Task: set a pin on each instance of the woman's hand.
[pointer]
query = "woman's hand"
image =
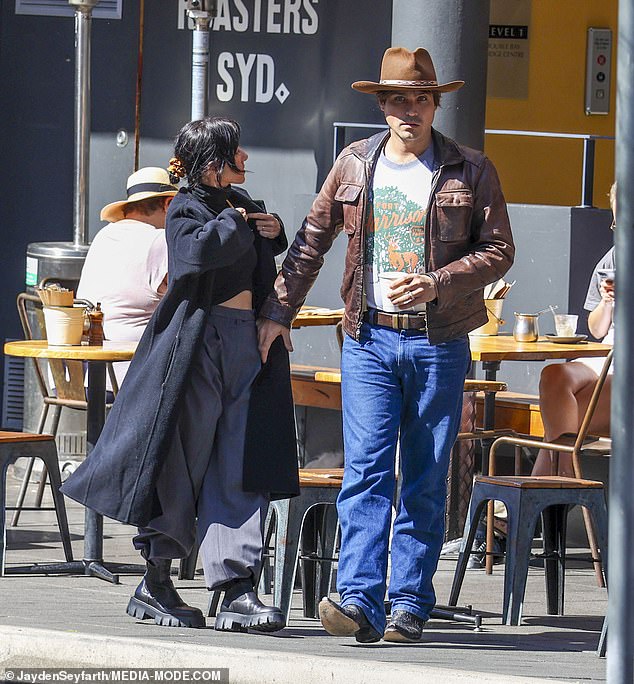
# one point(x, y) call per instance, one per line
point(411, 289)
point(267, 225)
point(606, 290)
point(601, 318)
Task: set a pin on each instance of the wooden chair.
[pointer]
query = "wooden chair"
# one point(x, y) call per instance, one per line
point(526, 498)
point(578, 445)
point(68, 379)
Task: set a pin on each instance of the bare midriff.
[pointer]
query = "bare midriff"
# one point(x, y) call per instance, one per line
point(243, 300)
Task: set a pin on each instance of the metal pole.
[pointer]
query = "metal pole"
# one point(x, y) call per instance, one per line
point(83, 24)
point(587, 180)
point(139, 84)
point(456, 34)
point(620, 653)
point(201, 12)
point(200, 69)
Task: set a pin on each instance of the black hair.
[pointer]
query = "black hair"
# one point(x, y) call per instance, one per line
point(212, 141)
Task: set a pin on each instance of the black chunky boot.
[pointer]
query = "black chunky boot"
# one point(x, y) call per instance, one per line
point(241, 610)
point(156, 597)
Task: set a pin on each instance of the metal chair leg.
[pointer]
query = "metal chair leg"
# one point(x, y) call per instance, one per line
point(289, 523)
point(309, 570)
point(29, 469)
point(3, 503)
point(330, 533)
point(476, 506)
point(594, 547)
point(39, 495)
point(187, 565)
point(24, 486)
point(603, 639)
point(214, 600)
point(554, 531)
point(50, 463)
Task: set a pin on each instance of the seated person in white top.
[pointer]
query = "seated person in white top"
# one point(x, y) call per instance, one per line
point(565, 388)
point(126, 265)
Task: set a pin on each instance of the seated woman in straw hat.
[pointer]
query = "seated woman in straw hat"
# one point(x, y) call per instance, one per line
point(126, 266)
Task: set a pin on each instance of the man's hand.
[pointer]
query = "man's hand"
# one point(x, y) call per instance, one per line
point(267, 225)
point(268, 330)
point(411, 289)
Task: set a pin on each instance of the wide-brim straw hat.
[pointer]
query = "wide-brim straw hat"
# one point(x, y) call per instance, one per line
point(402, 69)
point(150, 181)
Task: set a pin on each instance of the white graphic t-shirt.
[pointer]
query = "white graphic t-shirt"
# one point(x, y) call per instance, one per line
point(395, 232)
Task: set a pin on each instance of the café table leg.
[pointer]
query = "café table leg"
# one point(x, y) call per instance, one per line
point(96, 416)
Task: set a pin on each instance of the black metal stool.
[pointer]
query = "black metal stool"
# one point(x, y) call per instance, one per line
point(526, 498)
point(15, 445)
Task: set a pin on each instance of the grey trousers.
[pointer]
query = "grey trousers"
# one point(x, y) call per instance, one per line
point(200, 483)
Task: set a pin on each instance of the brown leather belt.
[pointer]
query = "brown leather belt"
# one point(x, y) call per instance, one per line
point(397, 321)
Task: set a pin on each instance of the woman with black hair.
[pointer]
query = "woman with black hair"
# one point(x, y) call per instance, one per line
point(201, 435)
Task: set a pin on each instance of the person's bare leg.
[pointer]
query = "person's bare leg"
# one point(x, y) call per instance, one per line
point(564, 392)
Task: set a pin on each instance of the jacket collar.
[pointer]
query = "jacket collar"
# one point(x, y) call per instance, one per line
point(214, 198)
point(447, 150)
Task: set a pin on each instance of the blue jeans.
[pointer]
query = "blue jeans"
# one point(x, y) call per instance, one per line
point(396, 387)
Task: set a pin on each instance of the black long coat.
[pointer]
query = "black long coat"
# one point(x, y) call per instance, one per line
point(118, 478)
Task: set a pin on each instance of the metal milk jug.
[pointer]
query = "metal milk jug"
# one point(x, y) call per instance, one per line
point(526, 327)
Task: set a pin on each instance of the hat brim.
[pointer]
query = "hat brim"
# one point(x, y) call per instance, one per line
point(114, 211)
point(373, 87)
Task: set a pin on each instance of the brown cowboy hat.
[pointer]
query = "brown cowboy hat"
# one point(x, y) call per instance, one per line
point(402, 69)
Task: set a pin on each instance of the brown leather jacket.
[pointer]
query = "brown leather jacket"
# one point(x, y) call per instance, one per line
point(468, 241)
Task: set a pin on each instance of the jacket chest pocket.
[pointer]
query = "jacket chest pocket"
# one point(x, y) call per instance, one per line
point(350, 195)
point(454, 209)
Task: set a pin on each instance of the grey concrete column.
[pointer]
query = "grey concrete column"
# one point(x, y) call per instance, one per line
point(456, 35)
point(620, 669)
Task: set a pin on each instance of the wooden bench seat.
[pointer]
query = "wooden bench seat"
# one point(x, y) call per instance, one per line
point(513, 411)
point(310, 392)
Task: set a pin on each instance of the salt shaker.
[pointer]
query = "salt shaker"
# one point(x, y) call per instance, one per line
point(95, 334)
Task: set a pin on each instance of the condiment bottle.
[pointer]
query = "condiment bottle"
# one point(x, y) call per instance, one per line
point(95, 334)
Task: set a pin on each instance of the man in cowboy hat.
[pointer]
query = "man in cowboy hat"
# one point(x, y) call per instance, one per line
point(126, 265)
point(427, 229)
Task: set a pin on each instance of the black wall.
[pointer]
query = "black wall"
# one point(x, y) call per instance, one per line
point(37, 62)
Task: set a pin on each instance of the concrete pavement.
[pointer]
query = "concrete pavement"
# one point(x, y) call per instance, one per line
point(70, 621)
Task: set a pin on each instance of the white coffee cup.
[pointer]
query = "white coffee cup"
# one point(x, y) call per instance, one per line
point(64, 324)
point(386, 279)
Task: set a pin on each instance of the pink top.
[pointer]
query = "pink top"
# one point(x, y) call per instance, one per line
point(124, 270)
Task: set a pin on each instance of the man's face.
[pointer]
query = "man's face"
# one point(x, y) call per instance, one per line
point(410, 114)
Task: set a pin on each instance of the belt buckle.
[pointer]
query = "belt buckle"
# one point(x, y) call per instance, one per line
point(418, 319)
point(395, 321)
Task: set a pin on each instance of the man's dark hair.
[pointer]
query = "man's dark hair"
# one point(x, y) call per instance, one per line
point(146, 207)
point(382, 95)
point(212, 141)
